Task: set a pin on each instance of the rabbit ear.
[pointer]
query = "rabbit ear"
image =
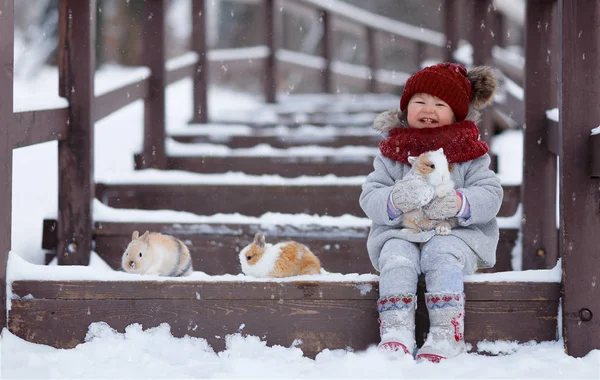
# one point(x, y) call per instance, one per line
point(145, 237)
point(412, 159)
point(135, 235)
point(259, 240)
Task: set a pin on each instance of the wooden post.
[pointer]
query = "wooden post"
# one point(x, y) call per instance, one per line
point(451, 26)
point(6, 114)
point(373, 58)
point(326, 52)
point(201, 74)
point(579, 81)
point(481, 40)
point(154, 155)
point(540, 235)
point(499, 35)
point(270, 67)
point(420, 54)
point(76, 154)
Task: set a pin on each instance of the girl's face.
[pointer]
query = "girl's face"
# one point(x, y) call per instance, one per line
point(428, 111)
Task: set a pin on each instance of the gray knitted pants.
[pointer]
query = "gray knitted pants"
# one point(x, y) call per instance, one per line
point(443, 259)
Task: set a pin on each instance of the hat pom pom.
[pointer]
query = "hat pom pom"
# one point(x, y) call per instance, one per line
point(484, 84)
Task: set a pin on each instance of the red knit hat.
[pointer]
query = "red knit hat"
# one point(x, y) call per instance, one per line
point(447, 81)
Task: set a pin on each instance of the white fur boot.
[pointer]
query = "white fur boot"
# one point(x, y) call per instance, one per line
point(446, 327)
point(397, 324)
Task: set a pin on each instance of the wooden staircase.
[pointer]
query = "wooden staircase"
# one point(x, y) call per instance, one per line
point(319, 312)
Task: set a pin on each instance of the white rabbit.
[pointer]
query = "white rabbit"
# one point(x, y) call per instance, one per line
point(155, 253)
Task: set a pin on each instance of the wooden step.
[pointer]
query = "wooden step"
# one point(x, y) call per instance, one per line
point(214, 247)
point(280, 141)
point(284, 166)
point(252, 200)
point(318, 314)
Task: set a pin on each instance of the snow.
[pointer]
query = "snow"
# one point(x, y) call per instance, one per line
point(155, 353)
point(552, 114)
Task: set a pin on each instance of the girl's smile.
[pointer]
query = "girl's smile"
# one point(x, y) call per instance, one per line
point(427, 111)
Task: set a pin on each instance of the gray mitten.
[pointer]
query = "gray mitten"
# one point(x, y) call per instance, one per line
point(442, 208)
point(411, 193)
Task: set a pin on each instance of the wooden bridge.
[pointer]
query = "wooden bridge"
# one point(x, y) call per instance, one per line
point(561, 60)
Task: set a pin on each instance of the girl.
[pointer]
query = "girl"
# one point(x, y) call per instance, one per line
point(438, 109)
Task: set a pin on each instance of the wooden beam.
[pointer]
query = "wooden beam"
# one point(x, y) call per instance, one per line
point(214, 246)
point(595, 149)
point(116, 99)
point(481, 40)
point(451, 28)
point(253, 200)
point(282, 141)
point(540, 241)
point(323, 315)
point(35, 127)
point(155, 104)
point(285, 166)
point(327, 51)
point(76, 153)
point(270, 65)
point(200, 107)
point(7, 25)
point(372, 58)
point(579, 83)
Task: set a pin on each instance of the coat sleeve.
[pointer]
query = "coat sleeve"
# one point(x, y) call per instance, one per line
point(375, 192)
point(483, 191)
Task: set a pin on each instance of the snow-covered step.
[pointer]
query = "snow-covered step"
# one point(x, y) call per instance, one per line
point(263, 159)
point(215, 246)
point(244, 136)
point(56, 306)
point(206, 194)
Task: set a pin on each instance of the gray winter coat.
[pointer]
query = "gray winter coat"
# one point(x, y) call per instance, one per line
point(473, 179)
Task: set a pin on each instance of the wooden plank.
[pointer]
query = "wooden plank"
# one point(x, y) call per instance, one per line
point(251, 200)
point(540, 240)
point(451, 30)
point(341, 250)
point(35, 127)
point(7, 36)
point(285, 166)
point(76, 154)
point(198, 45)
point(327, 52)
point(179, 73)
point(579, 84)
point(264, 290)
point(116, 99)
point(281, 142)
point(270, 71)
point(595, 149)
point(154, 106)
point(319, 324)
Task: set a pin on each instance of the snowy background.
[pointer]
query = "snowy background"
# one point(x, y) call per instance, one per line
point(155, 353)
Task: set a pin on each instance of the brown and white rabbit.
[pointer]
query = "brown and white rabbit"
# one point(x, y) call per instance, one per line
point(433, 167)
point(285, 259)
point(155, 253)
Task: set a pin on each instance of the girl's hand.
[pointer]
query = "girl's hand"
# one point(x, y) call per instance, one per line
point(441, 208)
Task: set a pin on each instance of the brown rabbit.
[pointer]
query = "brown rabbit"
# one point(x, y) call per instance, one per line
point(155, 253)
point(260, 259)
point(433, 166)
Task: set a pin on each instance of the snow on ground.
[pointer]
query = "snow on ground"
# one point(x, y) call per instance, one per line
point(155, 353)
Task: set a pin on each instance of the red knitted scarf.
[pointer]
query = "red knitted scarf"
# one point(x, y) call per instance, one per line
point(460, 142)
